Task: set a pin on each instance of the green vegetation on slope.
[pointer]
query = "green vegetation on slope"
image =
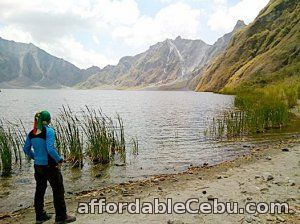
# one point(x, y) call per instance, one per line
point(261, 66)
point(264, 52)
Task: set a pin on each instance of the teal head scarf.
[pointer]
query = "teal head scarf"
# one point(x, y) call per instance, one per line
point(41, 118)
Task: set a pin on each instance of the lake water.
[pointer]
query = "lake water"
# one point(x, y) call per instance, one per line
point(169, 127)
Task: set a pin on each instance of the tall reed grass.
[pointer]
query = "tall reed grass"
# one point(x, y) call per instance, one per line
point(11, 142)
point(99, 138)
point(91, 134)
point(86, 134)
point(135, 146)
point(256, 111)
point(5, 153)
point(69, 138)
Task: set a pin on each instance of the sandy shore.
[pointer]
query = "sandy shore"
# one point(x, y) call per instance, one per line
point(267, 175)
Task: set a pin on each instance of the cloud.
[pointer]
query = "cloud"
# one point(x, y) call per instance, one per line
point(224, 17)
point(71, 50)
point(13, 33)
point(52, 22)
point(165, 1)
point(171, 21)
point(66, 47)
point(47, 20)
point(116, 12)
point(74, 29)
point(95, 39)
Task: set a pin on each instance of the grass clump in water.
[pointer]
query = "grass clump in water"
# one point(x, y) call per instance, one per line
point(135, 146)
point(5, 153)
point(69, 138)
point(88, 133)
point(11, 142)
point(99, 139)
point(91, 134)
point(257, 111)
point(104, 138)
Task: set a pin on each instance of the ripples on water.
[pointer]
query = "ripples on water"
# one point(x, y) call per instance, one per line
point(168, 125)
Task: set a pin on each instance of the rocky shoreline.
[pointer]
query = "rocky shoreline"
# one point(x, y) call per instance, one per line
point(269, 174)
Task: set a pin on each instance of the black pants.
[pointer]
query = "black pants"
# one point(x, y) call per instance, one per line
point(53, 175)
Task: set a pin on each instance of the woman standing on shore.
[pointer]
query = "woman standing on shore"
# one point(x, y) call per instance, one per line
point(47, 164)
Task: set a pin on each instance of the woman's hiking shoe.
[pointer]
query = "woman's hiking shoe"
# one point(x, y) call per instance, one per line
point(67, 219)
point(45, 217)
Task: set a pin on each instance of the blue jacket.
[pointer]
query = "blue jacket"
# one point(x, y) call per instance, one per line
point(44, 152)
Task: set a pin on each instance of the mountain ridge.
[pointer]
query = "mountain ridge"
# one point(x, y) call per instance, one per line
point(166, 65)
point(28, 66)
point(265, 51)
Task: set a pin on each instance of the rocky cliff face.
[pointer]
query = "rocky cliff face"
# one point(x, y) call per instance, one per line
point(223, 41)
point(162, 63)
point(258, 53)
point(218, 47)
point(27, 66)
point(167, 65)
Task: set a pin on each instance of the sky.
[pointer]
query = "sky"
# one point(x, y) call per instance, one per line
point(100, 32)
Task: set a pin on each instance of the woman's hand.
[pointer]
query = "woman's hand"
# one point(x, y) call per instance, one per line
point(59, 164)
